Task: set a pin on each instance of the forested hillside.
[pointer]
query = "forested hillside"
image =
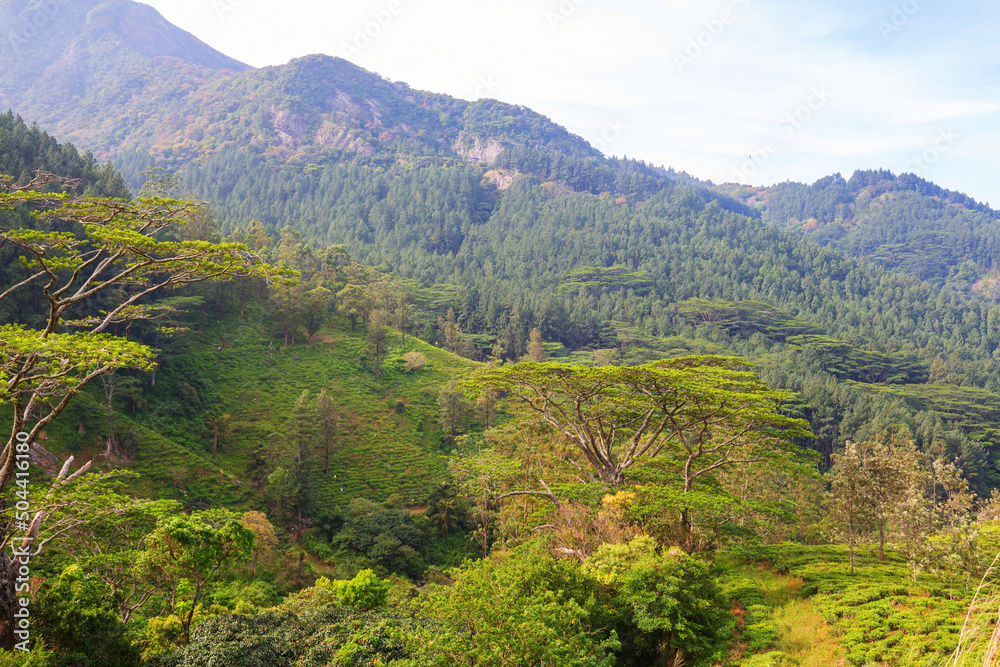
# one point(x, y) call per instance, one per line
point(904, 223)
point(543, 255)
point(355, 374)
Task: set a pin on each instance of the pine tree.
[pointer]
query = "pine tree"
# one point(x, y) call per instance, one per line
point(536, 349)
point(451, 332)
point(452, 410)
point(378, 340)
point(327, 422)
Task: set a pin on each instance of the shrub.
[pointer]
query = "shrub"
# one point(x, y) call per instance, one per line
point(77, 619)
point(414, 360)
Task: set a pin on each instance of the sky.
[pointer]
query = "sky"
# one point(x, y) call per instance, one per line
point(749, 91)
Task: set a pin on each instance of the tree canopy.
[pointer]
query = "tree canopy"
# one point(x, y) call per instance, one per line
point(702, 410)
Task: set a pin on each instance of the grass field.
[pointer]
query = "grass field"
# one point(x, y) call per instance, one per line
point(389, 442)
point(799, 605)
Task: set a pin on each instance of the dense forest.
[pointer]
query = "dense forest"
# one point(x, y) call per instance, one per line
point(355, 374)
point(714, 277)
point(903, 223)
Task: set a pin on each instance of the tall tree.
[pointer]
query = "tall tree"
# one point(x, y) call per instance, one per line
point(327, 421)
point(888, 467)
point(316, 309)
point(378, 340)
point(954, 508)
point(702, 409)
point(104, 245)
point(449, 328)
point(850, 497)
point(354, 301)
point(195, 548)
point(452, 410)
point(302, 431)
point(536, 348)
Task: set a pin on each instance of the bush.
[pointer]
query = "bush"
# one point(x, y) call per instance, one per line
point(414, 360)
point(39, 656)
point(365, 591)
point(665, 603)
point(527, 604)
point(77, 619)
point(266, 640)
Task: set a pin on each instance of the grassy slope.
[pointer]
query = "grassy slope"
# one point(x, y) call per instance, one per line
point(813, 612)
point(390, 442)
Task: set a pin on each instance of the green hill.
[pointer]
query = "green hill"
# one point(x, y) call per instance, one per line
point(904, 223)
point(389, 443)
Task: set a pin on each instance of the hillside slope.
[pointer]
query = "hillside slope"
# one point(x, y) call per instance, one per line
point(229, 371)
point(78, 67)
point(114, 77)
point(904, 223)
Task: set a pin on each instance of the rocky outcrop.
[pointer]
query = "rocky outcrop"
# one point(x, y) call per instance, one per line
point(480, 152)
point(334, 136)
point(502, 178)
point(290, 127)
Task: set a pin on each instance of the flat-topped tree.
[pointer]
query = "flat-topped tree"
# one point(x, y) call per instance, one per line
point(82, 248)
point(702, 409)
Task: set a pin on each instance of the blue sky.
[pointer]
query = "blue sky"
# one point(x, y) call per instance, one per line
point(756, 91)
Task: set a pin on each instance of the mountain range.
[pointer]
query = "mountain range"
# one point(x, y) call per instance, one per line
point(871, 296)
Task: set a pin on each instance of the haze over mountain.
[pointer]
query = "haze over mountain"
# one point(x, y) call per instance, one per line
point(427, 234)
point(902, 222)
point(78, 67)
point(114, 77)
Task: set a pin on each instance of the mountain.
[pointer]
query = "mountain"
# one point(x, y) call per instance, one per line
point(79, 67)
point(904, 223)
point(116, 78)
point(516, 224)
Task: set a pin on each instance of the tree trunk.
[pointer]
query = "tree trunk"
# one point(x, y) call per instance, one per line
point(190, 616)
point(850, 544)
point(686, 533)
point(8, 600)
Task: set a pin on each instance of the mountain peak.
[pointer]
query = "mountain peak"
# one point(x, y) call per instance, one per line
point(55, 47)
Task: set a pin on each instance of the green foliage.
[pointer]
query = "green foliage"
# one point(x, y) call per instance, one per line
point(759, 631)
point(596, 280)
point(364, 592)
point(517, 610)
point(184, 553)
point(76, 618)
point(903, 222)
point(878, 614)
point(38, 656)
point(263, 640)
point(383, 536)
point(664, 605)
point(701, 408)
